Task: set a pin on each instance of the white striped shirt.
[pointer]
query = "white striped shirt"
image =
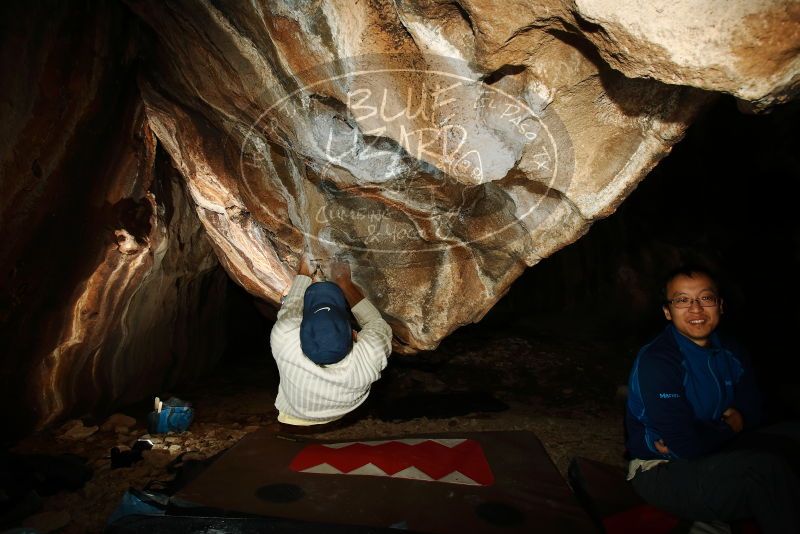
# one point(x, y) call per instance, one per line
point(311, 394)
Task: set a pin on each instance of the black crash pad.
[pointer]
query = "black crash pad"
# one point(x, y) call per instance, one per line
point(477, 482)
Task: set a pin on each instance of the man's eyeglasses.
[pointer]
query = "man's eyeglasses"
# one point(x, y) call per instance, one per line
point(686, 302)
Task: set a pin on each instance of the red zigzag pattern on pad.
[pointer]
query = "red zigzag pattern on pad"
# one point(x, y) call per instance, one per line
point(394, 458)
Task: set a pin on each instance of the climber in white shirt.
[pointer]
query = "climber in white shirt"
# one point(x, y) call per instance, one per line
point(326, 368)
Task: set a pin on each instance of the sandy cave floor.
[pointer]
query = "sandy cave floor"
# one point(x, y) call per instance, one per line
point(565, 392)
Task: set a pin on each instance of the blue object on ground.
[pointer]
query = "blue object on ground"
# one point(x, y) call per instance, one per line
point(135, 502)
point(175, 416)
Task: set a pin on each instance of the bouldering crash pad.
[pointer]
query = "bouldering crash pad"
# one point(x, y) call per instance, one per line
point(444, 483)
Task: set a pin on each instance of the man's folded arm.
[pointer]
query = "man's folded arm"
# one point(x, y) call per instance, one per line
point(747, 399)
point(670, 415)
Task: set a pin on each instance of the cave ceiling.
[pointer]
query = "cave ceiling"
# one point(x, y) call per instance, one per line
point(442, 148)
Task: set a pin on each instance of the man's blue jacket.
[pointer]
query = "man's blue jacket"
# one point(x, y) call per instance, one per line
point(678, 391)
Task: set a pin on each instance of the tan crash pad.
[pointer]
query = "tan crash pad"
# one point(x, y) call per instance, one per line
point(447, 483)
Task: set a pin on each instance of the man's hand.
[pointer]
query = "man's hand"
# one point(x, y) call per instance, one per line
point(340, 275)
point(305, 266)
point(660, 447)
point(733, 419)
point(340, 272)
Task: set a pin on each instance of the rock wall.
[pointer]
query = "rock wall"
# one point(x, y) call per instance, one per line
point(441, 147)
point(110, 290)
point(746, 49)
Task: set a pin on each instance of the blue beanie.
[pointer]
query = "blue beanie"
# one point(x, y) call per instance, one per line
point(325, 333)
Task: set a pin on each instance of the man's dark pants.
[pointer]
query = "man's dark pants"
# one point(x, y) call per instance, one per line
point(753, 478)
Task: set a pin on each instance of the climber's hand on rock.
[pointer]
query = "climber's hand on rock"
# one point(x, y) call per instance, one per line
point(305, 266)
point(340, 272)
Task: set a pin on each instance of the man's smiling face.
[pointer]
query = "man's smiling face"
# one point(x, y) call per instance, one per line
point(695, 322)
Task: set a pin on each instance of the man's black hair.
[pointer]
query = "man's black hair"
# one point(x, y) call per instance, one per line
point(688, 270)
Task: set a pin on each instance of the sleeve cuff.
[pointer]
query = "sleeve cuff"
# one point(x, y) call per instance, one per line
point(299, 286)
point(364, 312)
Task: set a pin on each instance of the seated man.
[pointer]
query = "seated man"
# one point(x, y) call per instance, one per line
point(326, 369)
point(691, 392)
